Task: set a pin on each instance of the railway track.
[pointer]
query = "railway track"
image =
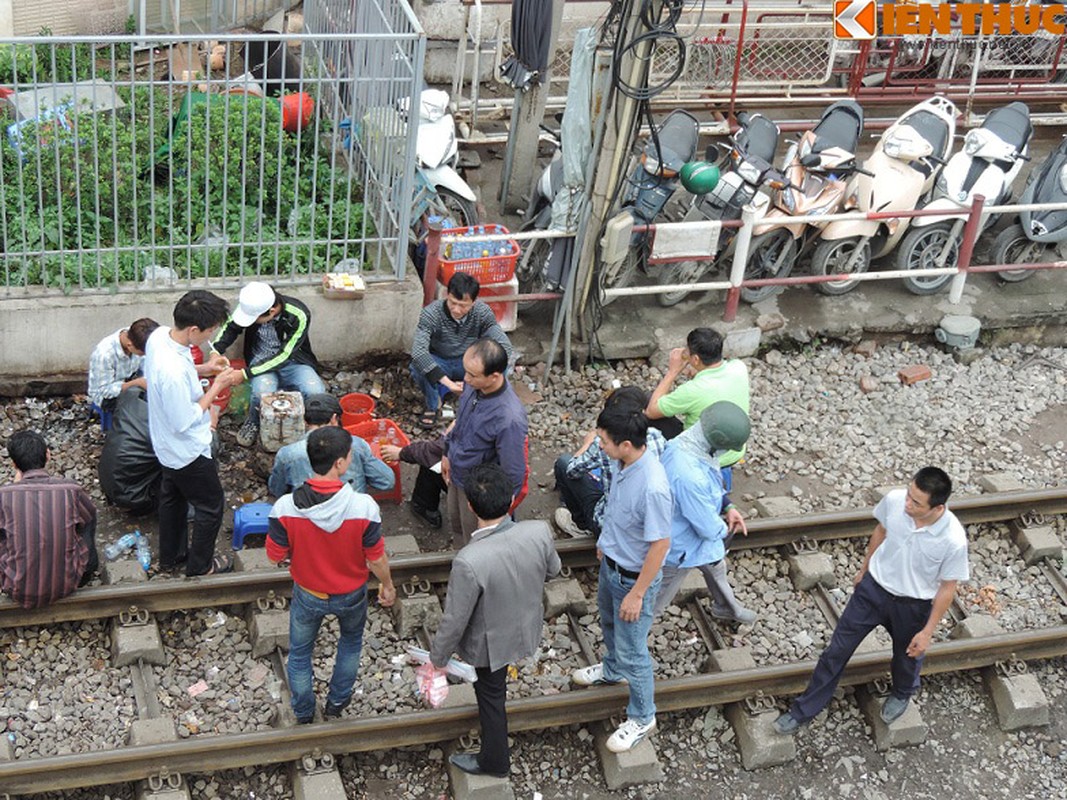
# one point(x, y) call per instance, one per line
point(200, 754)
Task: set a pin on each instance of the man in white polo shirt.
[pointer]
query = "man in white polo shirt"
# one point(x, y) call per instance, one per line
point(915, 557)
point(179, 421)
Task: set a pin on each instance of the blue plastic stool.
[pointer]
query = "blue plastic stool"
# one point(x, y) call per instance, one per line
point(248, 520)
point(105, 417)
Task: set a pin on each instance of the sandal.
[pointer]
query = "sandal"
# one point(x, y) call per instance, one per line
point(428, 420)
point(221, 565)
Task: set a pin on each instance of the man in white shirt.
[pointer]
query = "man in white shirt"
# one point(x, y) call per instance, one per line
point(915, 557)
point(179, 421)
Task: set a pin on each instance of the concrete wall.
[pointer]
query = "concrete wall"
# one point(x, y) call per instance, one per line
point(45, 342)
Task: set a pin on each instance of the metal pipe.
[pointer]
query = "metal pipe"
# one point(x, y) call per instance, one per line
point(737, 268)
point(970, 234)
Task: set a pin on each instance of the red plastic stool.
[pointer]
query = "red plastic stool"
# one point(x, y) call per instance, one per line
point(377, 432)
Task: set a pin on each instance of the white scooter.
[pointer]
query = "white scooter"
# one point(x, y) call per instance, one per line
point(991, 159)
point(899, 174)
point(439, 188)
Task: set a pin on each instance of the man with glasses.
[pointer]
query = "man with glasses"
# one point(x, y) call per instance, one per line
point(915, 557)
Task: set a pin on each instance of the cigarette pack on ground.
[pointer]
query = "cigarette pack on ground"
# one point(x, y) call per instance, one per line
point(343, 285)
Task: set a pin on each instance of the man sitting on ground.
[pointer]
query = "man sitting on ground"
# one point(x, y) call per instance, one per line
point(115, 364)
point(446, 329)
point(47, 528)
point(292, 466)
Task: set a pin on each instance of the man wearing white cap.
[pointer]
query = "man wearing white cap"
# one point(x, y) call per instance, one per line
point(277, 350)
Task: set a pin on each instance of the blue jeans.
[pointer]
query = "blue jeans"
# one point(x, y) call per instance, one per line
point(626, 643)
point(432, 391)
point(290, 377)
point(305, 616)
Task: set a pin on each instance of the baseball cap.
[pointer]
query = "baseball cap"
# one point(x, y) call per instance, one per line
point(256, 298)
point(725, 425)
point(322, 403)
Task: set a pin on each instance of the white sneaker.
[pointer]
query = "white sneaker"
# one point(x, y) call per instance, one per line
point(629, 734)
point(565, 524)
point(592, 676)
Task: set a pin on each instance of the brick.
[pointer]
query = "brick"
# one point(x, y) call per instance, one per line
point(868, 384)
point(998, 482)
point(1019, 699)
point(759, 744)
point(133, 643)
point(865, 348)
point(158, 730)
point(268, 630)
point(908, 730)
point(411, 613)
point(807, 570)
point(976, 626)
point(777, 507)
point(637, 766)
point(564, 594)
point(1037, 544)
point(914, 374)
point(401, 545)
point(731, 660)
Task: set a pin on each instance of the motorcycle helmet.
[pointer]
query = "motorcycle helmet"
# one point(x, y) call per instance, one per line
point(699, 177)
point(725, 425)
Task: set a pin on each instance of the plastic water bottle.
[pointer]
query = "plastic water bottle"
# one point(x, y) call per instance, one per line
point(144, 552)
point(113, 551)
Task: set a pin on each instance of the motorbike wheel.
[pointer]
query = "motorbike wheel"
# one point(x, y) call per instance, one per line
point(459, 208)
point(920, 250)
point(621, 275)
point(532, 268)
point(832, 257)
point(1012, 246)
point(771, 255)
point(681, 272)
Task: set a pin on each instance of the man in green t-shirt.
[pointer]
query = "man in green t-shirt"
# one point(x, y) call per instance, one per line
point(713, 379)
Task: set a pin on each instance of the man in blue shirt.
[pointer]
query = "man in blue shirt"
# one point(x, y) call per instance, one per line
point(632, 545)
point(292, 466)
point(698, 531)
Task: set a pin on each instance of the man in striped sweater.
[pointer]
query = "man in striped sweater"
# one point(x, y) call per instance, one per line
point(47, 528)
point(332, 536)
point(446, 329)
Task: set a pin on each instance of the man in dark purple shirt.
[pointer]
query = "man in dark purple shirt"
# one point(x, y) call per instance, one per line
point(47, 528)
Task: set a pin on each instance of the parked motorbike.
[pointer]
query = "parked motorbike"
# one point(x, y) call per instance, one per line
point(651, 184)
point(1025, 241)
point(814, 173)
point(750, 167)
point(439, 188)
point(540, 266)
point(899, 174)
point(990, 161)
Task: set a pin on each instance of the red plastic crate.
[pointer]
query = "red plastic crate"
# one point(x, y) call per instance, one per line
point(377, 432)
point(487, 269)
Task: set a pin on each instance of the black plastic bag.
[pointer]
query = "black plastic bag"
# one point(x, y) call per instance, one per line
point(129, 471)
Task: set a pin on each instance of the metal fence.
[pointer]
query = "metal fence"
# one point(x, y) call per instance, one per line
point(123, 167)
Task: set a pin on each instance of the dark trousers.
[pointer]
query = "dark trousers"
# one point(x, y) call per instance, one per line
point(579, 495)
point(491, 691)
point(196, 484)
point(870, 606)
point(429, 486)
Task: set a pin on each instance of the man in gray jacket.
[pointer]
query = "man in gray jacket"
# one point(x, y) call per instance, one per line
point(493, 609)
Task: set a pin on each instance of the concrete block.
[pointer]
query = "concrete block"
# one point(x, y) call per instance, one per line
point(870, 644)
point(760, 746)
point(7, 749)
point(1038, 543)
point(637, 766)
point(411, 613)
point(152, 731)
point(731, 660)
point(401, 545)
point(976, 626)
point(166, 792)
point(997, 482)
point(908, 729)
point(130, 643)
point(478, 787)
point(251, 558)
point(267, 630)
point(882, 491)
point(777, 507)
point(125, 571)
point(324, 784)
point(1019, 699)
point(742, 343)
point(460, 694)
point(693, 585)
point(807, 570)
point(564, 594)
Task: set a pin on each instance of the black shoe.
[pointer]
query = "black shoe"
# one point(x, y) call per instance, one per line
point(305, 720)
point(468, 762)
point(431, 517)
point(331, 711)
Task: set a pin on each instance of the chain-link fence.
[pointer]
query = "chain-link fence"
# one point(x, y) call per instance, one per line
point(207, 158)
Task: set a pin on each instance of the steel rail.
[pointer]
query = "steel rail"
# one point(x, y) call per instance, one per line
point(213, 753)
point(246, 587)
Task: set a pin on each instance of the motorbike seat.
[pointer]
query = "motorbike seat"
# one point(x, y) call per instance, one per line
point(760, 138)
point(932, 128)
point(840, 126)
point(1011, 123)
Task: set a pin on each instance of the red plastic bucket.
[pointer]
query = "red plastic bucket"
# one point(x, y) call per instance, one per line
point(356, 408)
